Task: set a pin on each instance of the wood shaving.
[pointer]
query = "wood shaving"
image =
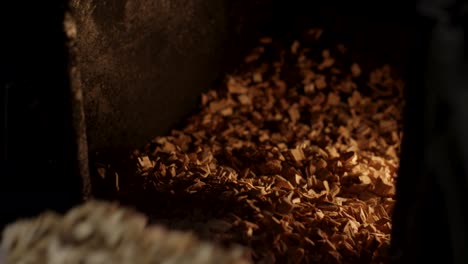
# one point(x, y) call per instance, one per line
point(101, 232)
point(298, 163)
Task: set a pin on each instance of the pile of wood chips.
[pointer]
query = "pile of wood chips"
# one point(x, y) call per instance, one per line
point(103, 233)
point(295, 158)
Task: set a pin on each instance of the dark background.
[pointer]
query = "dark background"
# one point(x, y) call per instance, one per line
point(38, 158)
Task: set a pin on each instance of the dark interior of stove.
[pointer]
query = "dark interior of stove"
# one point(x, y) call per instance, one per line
point(142, 65)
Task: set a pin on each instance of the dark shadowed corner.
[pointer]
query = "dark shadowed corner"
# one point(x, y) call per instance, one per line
point(39, 171)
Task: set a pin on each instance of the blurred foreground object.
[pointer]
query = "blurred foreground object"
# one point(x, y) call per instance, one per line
point(99, 232)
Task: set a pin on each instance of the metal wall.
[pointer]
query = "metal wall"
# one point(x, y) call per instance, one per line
point(144, 63)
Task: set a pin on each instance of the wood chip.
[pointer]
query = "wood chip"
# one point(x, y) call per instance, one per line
point(117, 234)
point(320, 82)
point(296, 158)
point(333, 99)
point(355, 70)
point(145, 163)
point(295, 47)
point(297, 154)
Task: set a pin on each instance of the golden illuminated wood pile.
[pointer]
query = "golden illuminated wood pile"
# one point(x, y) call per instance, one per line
point(295, 158)
point(103, 233)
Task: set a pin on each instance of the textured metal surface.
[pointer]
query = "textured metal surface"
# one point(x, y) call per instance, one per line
point(144, 63)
